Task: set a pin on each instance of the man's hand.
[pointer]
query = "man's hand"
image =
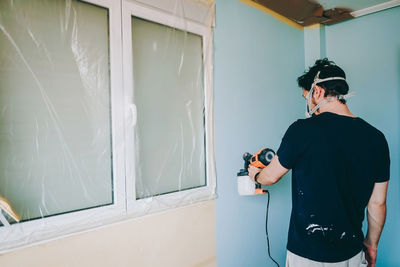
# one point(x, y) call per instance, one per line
point(370, 255)
point(253, 171)
point(270, 174)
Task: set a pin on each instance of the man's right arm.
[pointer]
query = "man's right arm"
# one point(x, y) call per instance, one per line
point(376, 211)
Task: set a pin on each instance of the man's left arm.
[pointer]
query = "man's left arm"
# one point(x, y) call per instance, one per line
point(270, 174)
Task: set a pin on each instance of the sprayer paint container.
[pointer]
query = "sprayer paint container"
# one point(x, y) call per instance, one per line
point(245, 185)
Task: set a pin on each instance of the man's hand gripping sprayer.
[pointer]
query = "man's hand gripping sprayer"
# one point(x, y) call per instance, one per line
point(261, 159)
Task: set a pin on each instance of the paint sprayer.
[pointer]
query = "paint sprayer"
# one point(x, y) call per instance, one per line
point(261, 159)
point(246, 186)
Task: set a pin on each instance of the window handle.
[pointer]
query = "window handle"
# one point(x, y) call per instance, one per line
point(133, 110)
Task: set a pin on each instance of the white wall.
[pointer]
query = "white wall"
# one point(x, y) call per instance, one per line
point(180, 237)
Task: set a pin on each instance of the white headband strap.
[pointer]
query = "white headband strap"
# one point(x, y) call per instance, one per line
point(318, 80)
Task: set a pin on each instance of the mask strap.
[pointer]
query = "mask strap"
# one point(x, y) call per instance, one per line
point(321, 103)
point(308, 102)
point(345, 97)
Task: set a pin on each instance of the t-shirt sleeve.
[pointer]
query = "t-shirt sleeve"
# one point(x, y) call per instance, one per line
point(383, 162)
point(291, 146)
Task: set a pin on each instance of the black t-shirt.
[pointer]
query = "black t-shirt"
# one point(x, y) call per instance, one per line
point(335, 162)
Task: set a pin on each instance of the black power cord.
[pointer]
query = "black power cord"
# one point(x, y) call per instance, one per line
point(266, 228)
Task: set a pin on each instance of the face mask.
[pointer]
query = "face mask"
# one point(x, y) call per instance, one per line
point(309, 111)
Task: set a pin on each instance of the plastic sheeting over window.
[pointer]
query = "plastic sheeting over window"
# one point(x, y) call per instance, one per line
point(55, 144)
point(69, 139)
point(168, 71)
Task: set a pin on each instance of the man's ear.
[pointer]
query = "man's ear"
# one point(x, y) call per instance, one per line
point(319, 92)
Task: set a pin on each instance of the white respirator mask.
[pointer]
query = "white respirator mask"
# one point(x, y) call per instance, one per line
point(309, 111)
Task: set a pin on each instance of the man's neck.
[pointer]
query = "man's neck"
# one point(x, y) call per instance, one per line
point(335, 106)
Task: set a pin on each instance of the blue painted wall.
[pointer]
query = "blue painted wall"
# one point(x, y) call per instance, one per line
point(257, 61)
point(368, 48)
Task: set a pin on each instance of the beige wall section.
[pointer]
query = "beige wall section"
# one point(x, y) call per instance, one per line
point(180, 237)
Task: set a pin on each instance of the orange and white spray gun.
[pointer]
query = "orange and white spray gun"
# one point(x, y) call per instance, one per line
point(246, 186)
point(261, 159)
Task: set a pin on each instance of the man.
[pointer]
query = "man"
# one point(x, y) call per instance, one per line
point(340, 165)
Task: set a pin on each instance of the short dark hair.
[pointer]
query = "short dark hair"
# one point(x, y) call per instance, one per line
point(326, 69)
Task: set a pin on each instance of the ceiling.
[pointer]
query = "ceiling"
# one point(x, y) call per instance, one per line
point(309, 12)
point(352, 4)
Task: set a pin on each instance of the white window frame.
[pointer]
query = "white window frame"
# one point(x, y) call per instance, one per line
point(17, 235)
point(184, 197)
point(123, 118)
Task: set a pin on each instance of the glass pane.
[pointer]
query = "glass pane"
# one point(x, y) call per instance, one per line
point(169, 95)
point(55, 134)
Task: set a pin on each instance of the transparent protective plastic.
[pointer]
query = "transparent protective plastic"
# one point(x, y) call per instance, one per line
point(176, 100)
point(97, 126)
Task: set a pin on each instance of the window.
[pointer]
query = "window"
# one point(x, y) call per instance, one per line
point(91, 133)
point(168, 69)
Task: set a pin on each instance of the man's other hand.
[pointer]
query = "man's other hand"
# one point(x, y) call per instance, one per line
point(370, 256)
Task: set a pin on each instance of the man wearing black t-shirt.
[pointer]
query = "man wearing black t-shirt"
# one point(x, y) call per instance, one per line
point(340, 165)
